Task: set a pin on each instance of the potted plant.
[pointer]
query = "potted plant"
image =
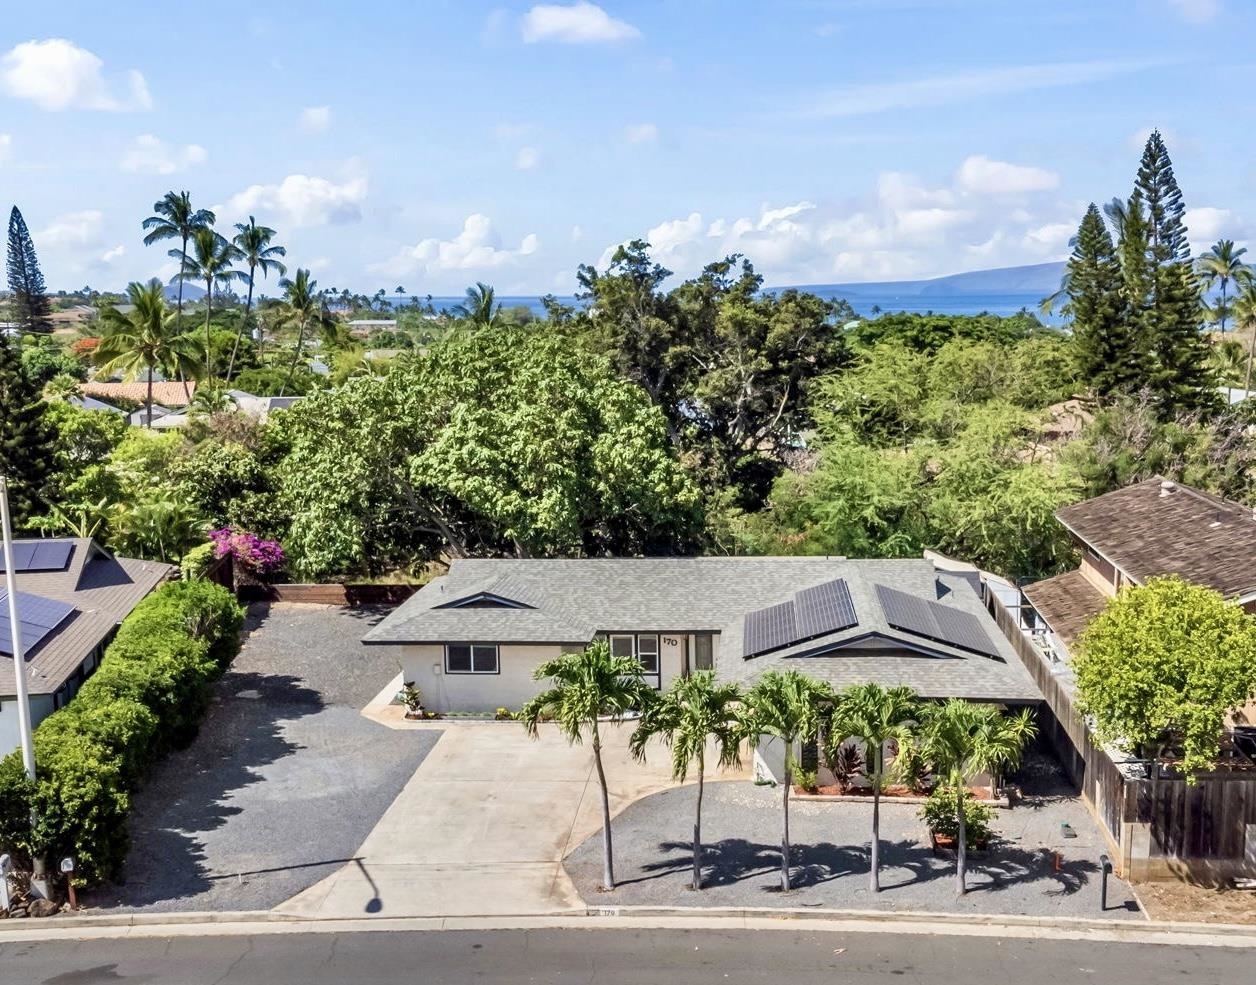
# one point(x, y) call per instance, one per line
point(412, 698)
point(940, 815)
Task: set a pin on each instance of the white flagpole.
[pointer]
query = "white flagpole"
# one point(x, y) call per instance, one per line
point(19, 660)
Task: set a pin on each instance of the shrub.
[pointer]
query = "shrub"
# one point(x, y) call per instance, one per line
point(149, 693)
point(940, 814)
point(196, 562)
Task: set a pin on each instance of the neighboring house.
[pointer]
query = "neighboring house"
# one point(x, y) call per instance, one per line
point(260, 407)
point(1155, 527)
point(71, 596)
point(170, 394)
point(362, 327)
point(140, 418)
point(91, 403)
point(473, 638)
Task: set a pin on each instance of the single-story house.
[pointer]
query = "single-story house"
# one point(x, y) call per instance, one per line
point(71, 597)
point(260, 407)
point(471, 640)
point(1150, 528)
point(91, 403)
point(171, 394)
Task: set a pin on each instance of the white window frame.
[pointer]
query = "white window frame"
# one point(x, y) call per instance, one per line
point(655, 676)
point(472, 648)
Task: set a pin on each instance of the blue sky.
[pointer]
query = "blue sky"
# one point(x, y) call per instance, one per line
point(432, 144)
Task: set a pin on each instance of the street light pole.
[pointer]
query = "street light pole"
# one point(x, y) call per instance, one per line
point(15, 627)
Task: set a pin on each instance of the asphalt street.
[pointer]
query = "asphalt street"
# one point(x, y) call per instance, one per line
point(608, 957)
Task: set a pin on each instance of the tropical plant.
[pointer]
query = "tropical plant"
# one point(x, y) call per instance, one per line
point(144, 339)
point(694, 711)
point(1228, 362)
point(157, 527)
point(176, 219)
point(26, 437)
point(878, 716)
point(786, 706)
point(939, 813)
point(1245, 321)
point(1221, 265)
point(479, 307)
point(210, 261)
point(962, 738)
point(586, 687)
point(256, 252)
point(304, 306)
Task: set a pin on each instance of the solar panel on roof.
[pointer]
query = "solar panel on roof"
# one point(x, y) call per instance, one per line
point(40, 555)
point(769, 629)
point(935, 621)
point(36, 616)
point(825, 608)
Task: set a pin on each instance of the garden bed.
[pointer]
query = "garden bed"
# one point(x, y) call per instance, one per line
point(898, 794)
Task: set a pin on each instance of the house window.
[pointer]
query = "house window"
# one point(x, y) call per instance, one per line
point(471, 658)
point(644, 648)
point(702, 652)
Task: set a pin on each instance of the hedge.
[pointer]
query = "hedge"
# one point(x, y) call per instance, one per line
point(147, 697)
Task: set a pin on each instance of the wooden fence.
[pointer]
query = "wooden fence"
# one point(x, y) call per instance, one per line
point(329, 594)
point(1161, 826)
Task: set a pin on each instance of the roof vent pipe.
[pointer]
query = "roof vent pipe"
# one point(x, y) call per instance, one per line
point(1166, 487)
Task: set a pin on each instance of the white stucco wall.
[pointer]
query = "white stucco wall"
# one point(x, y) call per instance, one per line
point(425, 665)
point(41, 708)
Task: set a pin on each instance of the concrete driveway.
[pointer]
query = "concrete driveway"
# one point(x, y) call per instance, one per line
point(484, 824)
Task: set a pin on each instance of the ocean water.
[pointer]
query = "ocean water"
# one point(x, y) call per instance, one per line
point(865, 305)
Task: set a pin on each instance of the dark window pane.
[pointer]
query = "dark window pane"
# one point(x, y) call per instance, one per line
point(648, 653)
point(458, 658)
point(702, 652)
point(485, 659)
point(621, 646)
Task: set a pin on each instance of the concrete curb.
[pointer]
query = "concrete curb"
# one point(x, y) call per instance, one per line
point(269, 921)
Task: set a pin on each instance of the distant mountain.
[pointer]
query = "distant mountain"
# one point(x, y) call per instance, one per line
point(1038, 279)
point(190, 292)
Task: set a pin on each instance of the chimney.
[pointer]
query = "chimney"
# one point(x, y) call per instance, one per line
point(1167, 487)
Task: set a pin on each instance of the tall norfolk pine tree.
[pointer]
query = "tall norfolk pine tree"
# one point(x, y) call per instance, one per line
point(25, 438)
point(31, 308)
point(1103, 332)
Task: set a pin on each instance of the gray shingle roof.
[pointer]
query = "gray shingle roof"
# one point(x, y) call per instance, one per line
point(572, 600)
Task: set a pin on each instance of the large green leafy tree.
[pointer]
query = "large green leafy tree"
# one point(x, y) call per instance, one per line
point(1164, 665)
point(29, 297)
point(877, 716)
point(144, 338)
point(501, 441)
point(960, 739)
point(256, 251)
point(1109, 360)
point(210, 260)
point(25, 438)
point(785, 706)
point(1181, 375)
point(694, 713)
point(584, 688)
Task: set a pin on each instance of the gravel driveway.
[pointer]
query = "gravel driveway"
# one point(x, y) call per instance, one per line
point(286, 778)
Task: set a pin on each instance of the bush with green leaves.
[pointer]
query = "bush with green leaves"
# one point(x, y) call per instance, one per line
point(940, 814)
point(148, 695)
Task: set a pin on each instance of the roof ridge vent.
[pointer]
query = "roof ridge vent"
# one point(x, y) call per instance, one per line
point(1167, 487)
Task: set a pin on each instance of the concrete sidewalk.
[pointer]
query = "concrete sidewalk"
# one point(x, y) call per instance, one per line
point(483, 826)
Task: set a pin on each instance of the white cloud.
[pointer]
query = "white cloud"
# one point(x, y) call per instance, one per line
point(578, 23)
point(74, 229)
point(116, 253)
point(527, 159)
point(510, 131)
point(152, 155)
point(6, 147)
point(1197, 11)
point(1052, 237)
point(577, 234)
point(57, 74)
point(980, 174)
point(302, 200)
point(641, 133)
point(878, 97)
point(477, 248)
point(316, 119)
point(1205, 225)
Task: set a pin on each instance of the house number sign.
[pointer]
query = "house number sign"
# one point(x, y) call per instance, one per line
point(670, 641)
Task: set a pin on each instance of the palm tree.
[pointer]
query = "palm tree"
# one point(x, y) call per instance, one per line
point(253, 243)
point(479, 307)
point(877, 715)
point(586, 687)
point(1227, 358)
point(693, 711)
point(1117, 211)
point(210, 260)
point(1220, 265)
point(304, 306)
point(145, 338)
point(176, 219)
point(786, 706)
point(1245, 321)
point(962, 738)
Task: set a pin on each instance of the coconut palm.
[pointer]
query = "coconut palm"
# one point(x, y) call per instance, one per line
point(304, 307)
point(585, 687)
point(479, 307)
point(176, 219)
point(1220, 265)
point(878, 716)
point(211, 261)
point(1245, 321)
point(962, 738)
point(145, 338)
point(1227, 359)
point(785, 706)
point(253, 243)
point(692, 712)
point(1117, 211)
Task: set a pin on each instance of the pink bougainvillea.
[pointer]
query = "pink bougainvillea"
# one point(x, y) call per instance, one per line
point(252, 553)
